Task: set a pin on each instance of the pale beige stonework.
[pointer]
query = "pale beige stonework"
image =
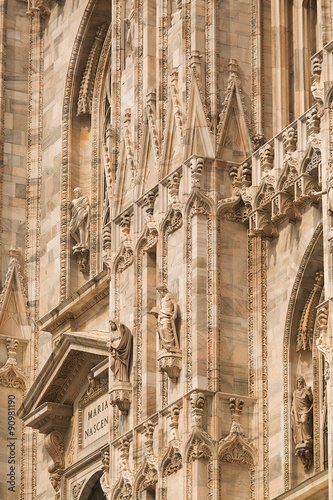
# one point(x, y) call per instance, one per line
point(200, 134)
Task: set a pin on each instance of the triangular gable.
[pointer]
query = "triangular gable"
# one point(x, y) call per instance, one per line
point(14, 314)
point(172, 150)
point(147, 172)
point(234, 139)
point(198, 138)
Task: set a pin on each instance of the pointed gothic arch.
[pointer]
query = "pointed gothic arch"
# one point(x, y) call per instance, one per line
point(297, 300)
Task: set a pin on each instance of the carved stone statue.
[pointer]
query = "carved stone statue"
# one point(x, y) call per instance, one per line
point(120, 348)
point(301, 416)
point(166, 317)
point(79, 224)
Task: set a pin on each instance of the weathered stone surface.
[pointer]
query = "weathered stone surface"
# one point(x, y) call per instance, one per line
point(201, 136)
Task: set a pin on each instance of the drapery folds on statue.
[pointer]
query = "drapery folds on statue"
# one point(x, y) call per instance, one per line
point(301, 416)
point(120, 348)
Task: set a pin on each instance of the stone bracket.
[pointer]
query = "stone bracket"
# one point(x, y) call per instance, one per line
point(121, 396)
point(170, 362)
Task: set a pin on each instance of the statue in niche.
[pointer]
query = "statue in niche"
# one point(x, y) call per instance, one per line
point(301, 416)
point(79, 224)
point(120, 349)
point(166, 317)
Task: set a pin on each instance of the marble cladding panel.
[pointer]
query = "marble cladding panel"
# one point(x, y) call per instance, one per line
point(233, 308)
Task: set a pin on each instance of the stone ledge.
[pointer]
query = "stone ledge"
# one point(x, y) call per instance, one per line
point(314, 487)
point(77, 304)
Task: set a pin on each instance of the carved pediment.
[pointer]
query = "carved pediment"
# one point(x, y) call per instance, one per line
point(288, 177)
point(265, 193)
point(173, 219)
point(66, 370)
point(147, 475)
point(125, 256)
point(199, 445)
point(236, 449)
point(311, 161)
point(14, 313)
point(233, 131)
point(198, 137)
point(172, 460)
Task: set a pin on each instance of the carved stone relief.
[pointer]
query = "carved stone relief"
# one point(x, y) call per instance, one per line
point(10, 374)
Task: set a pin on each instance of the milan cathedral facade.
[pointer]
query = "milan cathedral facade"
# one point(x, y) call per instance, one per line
point(166, 242)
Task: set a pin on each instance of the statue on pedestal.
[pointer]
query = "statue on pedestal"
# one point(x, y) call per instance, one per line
point(120, 349)
point(301, 416)
point(166, 316)
point(79, 224)
point(169, 357)
point(79, 228)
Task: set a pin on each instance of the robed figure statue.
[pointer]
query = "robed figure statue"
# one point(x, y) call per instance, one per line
point(301, 416)
point(79, 223)
point(120, 349)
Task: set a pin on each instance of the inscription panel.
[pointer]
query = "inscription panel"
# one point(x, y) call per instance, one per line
point(95, 420)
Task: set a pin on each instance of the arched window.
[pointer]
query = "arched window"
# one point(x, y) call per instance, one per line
point(97, 492)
